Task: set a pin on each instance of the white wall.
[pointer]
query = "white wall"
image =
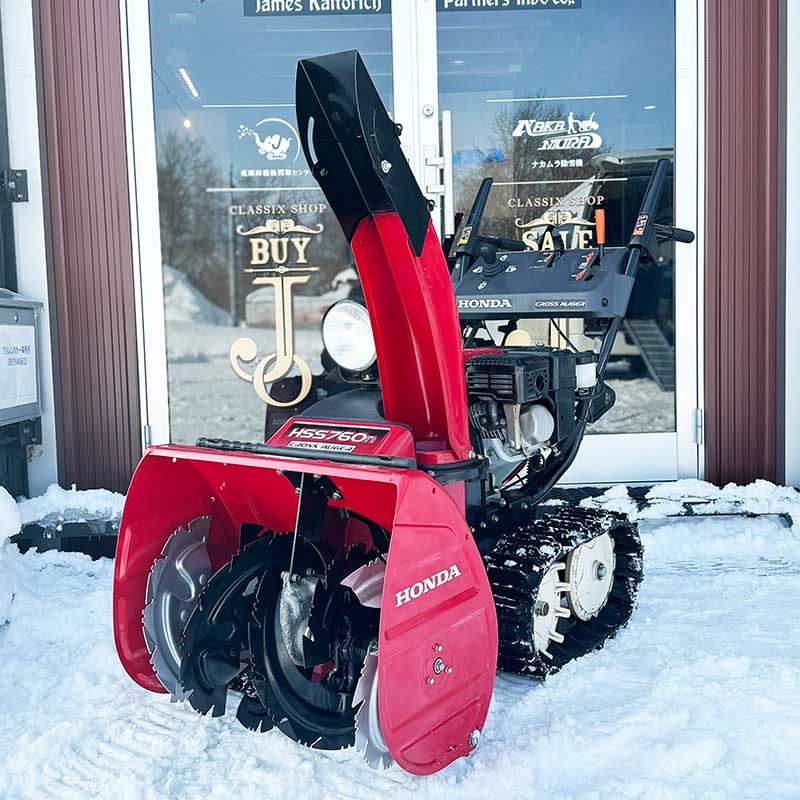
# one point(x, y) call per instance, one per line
point(792, 299)
point(29, 236)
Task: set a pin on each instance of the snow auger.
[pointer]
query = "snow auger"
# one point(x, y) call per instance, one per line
point(358, 578)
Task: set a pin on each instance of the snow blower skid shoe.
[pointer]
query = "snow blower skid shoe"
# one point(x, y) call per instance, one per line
point(357, 579)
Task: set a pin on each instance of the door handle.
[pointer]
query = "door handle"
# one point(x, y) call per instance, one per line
point(441, 160)
point(449, 226)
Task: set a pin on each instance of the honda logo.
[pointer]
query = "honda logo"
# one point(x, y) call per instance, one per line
point(483, 302)
point(426, 585)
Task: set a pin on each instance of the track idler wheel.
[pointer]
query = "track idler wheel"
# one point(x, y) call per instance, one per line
point(562, 586)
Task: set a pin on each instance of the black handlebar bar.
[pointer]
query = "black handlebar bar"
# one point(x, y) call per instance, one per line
point(468, 241)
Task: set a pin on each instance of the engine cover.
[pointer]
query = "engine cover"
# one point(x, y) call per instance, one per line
point(518, 376)
point(510, 377)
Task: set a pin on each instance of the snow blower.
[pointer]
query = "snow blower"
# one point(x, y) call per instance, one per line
point(358, 579)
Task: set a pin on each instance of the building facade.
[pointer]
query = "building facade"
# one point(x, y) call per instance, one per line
point(165, 180)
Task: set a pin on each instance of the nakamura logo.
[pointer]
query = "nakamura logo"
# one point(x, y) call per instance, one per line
point(428, 584)
point(560, 304)
point(466, 302)
point(562, 134)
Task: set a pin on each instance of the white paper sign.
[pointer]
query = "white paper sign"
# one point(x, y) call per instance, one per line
point(17, 365)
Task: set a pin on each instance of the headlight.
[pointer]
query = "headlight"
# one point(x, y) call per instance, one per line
point(347, 335)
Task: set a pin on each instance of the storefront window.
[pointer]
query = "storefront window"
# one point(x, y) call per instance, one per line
point(238, 205)
point(564, 106)
point(567, 106)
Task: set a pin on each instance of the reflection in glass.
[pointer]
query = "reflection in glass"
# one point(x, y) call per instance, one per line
point(238, 205)
point(568, 111)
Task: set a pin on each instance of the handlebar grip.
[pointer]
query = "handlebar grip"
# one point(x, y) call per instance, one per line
point(467, 241)
point(682, 235)
point(668, 233)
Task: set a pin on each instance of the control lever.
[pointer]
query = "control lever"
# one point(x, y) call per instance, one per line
point(491, 265)
point(600, 232)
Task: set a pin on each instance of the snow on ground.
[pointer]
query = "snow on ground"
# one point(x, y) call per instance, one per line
point(206, 397)
point(186, 303)
point(10, 524)
point(698, 698)
point(641, 407)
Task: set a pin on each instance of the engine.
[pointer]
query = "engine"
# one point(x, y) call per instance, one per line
point(522, 404)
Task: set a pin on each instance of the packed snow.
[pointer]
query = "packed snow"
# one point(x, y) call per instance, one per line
point(10, 524)
point(699, 697)
point(206, 397)
point(71, 505)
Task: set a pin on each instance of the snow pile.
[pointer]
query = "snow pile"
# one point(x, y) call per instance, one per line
point(10, 524)
point(71, 505)
point(699, 697)
point(10, 521)
point(185, 303)
point(666, 499)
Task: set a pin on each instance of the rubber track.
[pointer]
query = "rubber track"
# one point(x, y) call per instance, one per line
point(523, 556)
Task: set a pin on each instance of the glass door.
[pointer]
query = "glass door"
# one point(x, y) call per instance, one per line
point(568, 105)
point(243, 256)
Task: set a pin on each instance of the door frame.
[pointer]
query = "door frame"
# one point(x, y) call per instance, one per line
point(680, 453)
point(145, 222)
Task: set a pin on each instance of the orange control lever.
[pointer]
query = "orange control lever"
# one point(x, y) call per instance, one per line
point(600, 225)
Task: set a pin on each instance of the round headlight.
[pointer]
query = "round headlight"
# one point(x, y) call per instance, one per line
point(347, 335)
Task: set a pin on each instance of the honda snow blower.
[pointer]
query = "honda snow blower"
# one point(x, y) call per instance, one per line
point(359, 578)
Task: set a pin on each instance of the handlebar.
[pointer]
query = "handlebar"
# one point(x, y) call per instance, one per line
point(668, 233)
point(642, 243)
point(468, 240)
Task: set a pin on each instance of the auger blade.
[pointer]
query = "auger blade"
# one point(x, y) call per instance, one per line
point(215, 638)
point(367, 583)
point(173, 588)
point(369, 736)
point(312, 706)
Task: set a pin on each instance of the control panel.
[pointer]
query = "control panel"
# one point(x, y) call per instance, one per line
point(546, 283)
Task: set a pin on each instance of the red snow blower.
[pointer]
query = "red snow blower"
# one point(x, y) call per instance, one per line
point(359, 578)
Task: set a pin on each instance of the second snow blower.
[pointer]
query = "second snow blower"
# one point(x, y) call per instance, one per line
point(359, 578)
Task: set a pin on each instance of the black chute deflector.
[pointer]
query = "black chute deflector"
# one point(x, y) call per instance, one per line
point(354, 148)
